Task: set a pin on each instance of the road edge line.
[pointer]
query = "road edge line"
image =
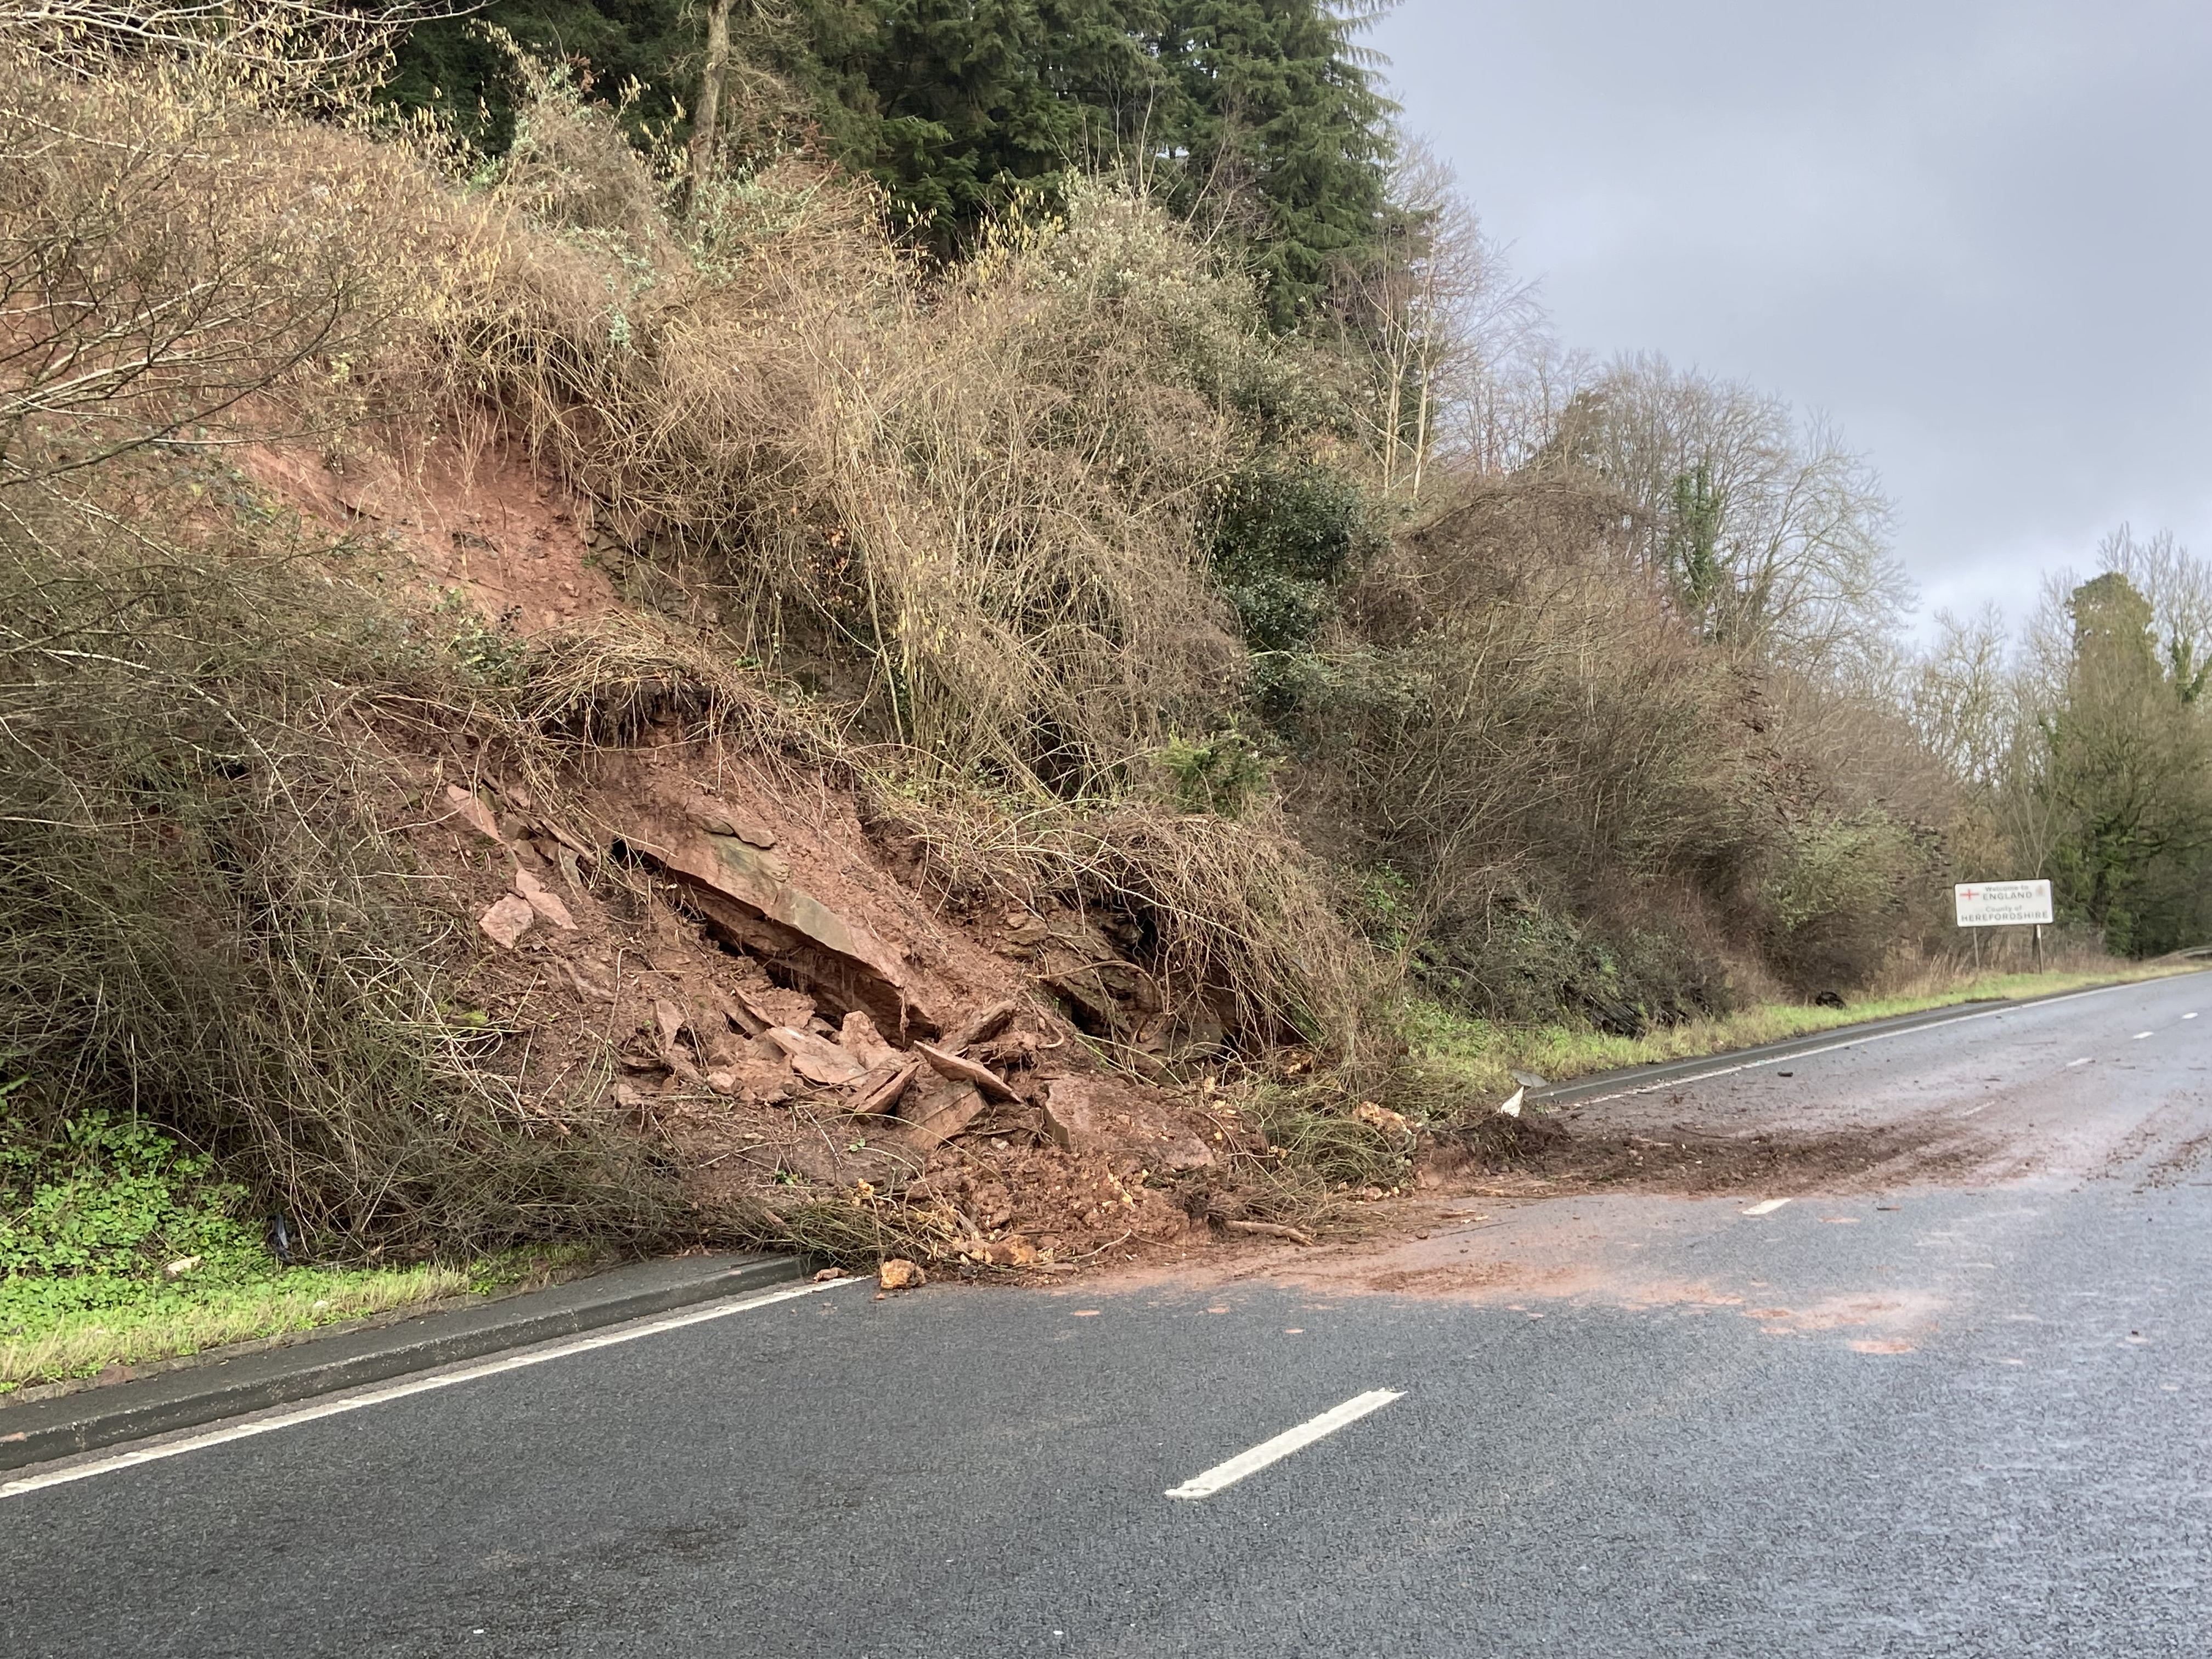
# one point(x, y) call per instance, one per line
point(425, 1384)
point(164, 1403)
point(1671, 1073)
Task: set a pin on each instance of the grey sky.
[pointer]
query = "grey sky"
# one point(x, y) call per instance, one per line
point(1978, 233)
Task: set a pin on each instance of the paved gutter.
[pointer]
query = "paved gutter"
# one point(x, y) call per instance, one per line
point(35, 1432)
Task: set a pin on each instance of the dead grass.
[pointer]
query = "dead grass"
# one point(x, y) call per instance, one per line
point(208, 922)
point(1236, 916)
point(973, 510)
point(848, 1232)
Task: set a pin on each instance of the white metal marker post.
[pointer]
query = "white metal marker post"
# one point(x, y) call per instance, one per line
point(2004, 904)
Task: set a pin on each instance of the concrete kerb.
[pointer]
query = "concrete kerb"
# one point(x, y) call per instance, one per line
point(40, 1431)
point(1636, 1079)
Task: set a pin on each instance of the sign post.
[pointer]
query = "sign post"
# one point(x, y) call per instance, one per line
point(2004, 904)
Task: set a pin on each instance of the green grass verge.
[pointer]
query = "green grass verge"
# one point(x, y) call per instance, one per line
point(1458, 1059)
point(120, 1246)
point(136, 1322)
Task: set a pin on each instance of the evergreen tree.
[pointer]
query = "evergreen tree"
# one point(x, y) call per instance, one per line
point(961, 108)
point(451, 65)
point(1258, 114)
point(2128, 774)
point(1274, 104)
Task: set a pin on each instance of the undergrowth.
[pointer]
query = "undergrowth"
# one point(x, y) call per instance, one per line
point(1069, 566)
point(119, 1246)
point(208, 926)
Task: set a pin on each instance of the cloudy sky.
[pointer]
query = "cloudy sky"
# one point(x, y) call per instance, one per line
point(1978, 233)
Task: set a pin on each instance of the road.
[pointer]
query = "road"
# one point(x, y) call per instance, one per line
point(1958, 1417)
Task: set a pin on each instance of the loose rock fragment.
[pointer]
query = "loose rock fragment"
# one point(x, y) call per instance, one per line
point(883, 1096)
point(507, 921)
point(1382, 1117)
point(815, 1058)
point(899, 1274)
point(742, 1012)
point(964, 1070)
point(981, 1029)
point(720, 818)
point(942, 1110)
point(1091, 1114)
point(542, 899)
point(668, 1021)
point(860, 1039)
point(471, 812)
point(1272, 1230)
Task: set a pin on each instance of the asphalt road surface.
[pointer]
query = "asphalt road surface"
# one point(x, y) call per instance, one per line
point(1961, 1418)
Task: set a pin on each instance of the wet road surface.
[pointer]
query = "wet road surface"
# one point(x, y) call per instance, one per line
point(1966, 1417)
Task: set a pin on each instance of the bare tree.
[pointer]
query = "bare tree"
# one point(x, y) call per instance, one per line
point(2178, 586)
point(323, 54)
point(1771, 532)
point(1446, 313)
point(156, 271)
point(1963, 697)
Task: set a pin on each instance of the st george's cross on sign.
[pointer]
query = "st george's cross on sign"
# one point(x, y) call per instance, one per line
point(2002, 903)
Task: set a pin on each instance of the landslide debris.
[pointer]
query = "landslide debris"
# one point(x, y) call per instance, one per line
point(829, 1059)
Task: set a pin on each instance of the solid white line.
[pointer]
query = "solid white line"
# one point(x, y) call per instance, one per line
point(1269, 1451)
point(1850, 1043)
point(1766, 1207)
point(340, 1404)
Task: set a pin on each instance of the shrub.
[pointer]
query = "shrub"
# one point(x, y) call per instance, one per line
point(208, 929)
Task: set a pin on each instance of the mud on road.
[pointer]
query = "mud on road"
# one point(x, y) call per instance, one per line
point(1582, 1200)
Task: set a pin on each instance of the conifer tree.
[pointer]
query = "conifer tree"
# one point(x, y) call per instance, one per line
point(1276, 105)
point(1257, 115)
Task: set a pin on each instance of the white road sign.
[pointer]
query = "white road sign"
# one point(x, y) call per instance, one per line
point(2002, 903)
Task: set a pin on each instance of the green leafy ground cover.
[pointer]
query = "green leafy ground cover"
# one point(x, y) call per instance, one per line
point(1473, 1056)
point(117, 1246)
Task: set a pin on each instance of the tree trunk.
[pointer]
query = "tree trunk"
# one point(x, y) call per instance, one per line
point(708, 114)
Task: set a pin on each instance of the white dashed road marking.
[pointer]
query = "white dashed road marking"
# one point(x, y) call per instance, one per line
point(2139, 1036)
point(2071, 1064)
point(1768, 1207)
point(1270, 1451)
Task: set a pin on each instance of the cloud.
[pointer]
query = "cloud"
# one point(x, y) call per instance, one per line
point(1976, 233)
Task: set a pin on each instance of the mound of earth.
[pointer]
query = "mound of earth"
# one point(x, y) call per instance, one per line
point(789, 1008)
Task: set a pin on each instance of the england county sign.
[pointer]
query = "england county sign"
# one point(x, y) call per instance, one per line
point(2002, 903)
